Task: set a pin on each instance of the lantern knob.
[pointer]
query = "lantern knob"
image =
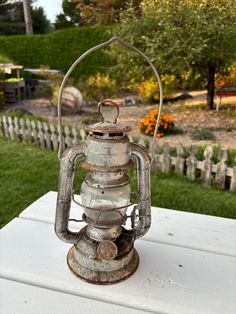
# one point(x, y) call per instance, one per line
point(107, 250)
point(108, 102)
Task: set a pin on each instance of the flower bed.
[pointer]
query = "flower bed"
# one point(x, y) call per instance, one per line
point(147, 124)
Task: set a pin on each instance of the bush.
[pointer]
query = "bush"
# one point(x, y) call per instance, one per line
point(149, 89)
point(58, 50)
point(147, 125)
point(98, 87)
point(22, 114)
point(228, 78)
point(203, 134)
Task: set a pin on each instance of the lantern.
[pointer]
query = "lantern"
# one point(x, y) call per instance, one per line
point(103, 251)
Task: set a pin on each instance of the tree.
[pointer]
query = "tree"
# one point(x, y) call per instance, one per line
point(183, 34)
point(102, 12)
point(27, 17)
point(69, 18)
point(12, 18)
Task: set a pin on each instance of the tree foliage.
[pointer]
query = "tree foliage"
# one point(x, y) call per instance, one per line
point(12, 18)
point(102, 12)
point(179, 35)
point(69, 18)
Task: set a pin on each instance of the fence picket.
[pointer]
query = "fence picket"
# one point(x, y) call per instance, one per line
point(23, 130)
point(233, 179)
point(179, 160)
point(5, 127)
point(41, 135)
point(191, 163)
point(54, 137)
point(82, 134)
point(1, 127)
point(28, 131)
point(47, 136)
point(207, 166)
point(34, 129)
point(68, 140)
point(165, 158)
point(141, 142)
point(75, 138)
point(17, 129)
point(221, 169)
point(11, 128)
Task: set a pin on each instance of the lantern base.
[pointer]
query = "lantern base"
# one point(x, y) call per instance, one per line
point(84, 262)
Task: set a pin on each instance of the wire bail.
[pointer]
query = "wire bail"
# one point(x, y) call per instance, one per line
point(85, 54)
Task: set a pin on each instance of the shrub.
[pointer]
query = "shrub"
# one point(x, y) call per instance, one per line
point(227, 79)
point(22, 114)
point(147, 125)
point(149, 89)
point(98, 87)
point(58, 50)
point(203, 134)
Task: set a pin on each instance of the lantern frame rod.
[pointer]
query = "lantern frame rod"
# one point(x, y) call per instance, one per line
point(85, 54)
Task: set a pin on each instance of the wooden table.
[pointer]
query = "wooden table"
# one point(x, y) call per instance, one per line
point(187, 265)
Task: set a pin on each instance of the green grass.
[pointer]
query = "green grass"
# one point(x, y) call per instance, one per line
point(26, 173)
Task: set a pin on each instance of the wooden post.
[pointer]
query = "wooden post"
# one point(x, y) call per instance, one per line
point(207, 166)
point(191, 163)
point(221, 169)
point(179, 161)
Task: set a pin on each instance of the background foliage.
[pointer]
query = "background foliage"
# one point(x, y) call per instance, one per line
point(12, 18)
point(59, 50)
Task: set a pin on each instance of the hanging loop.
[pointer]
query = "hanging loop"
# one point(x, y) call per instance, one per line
point(108, 102)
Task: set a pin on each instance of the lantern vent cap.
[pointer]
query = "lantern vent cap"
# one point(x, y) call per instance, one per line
point(106, 126)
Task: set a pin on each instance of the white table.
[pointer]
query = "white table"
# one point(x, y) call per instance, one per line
point(187, 265)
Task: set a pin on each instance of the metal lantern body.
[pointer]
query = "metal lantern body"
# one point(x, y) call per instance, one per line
point(103, 251)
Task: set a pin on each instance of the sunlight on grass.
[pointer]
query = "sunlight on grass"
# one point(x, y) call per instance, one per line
point(28, 172)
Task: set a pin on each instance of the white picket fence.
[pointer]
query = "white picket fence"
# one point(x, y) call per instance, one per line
point(45, 135)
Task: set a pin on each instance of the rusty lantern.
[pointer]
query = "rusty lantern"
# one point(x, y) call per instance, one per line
point(103, 251)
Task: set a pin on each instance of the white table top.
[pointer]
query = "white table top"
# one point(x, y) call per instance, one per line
point(187, 265)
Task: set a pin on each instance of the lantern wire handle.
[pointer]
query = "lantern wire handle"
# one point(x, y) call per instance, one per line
point(85, 54)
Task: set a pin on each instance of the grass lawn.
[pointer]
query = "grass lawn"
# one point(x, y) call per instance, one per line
point(26, 173)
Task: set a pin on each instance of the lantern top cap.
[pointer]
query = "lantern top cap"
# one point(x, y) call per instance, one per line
point(107, 126)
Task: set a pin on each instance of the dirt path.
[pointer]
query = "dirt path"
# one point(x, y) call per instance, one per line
point(188, 115)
